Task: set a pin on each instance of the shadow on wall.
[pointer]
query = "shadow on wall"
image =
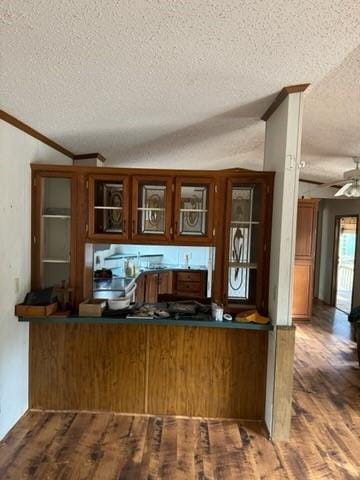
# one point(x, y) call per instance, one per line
point(128, 146)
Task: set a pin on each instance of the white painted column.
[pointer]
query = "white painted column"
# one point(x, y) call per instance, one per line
point(282, 155)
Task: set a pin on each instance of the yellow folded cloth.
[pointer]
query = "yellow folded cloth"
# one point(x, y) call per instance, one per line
point(251, 316)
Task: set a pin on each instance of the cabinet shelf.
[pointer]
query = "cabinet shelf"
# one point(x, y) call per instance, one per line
point(98, 207)
point(243, 265)
point(244, 223)
point(55, 260)
point(150, 209)
point(63, 217)
point(196, 210)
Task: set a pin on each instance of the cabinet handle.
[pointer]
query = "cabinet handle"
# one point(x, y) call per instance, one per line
point(176, 228)
point(124, 226)
point(133, 226)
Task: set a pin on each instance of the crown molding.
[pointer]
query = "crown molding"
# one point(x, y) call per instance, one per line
point(284, 92)
point(34, 133)
point(15, 122)
point(85, 156)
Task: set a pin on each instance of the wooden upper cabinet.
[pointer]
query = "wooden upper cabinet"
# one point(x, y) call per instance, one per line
point(306, 228)
point(163, 209)
point(246, 241)
point(152, 208)
point(108, 207)
point(53, 230)
point(194, 199)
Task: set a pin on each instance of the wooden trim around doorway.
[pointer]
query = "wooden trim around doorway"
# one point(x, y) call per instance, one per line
point(334, 256)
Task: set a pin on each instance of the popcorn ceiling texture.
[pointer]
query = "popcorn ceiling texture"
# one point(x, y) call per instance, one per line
point(182, 83)
point(332, 120)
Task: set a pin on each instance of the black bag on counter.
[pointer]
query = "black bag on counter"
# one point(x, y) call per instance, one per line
point(44, 296)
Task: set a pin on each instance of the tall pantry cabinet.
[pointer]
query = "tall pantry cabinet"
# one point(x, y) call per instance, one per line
point(303, 284)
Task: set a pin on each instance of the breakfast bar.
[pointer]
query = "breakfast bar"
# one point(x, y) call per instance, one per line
point(150, 289)
point(148, 368)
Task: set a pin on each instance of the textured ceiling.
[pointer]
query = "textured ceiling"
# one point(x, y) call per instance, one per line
point(331, 127)
point(182, 83)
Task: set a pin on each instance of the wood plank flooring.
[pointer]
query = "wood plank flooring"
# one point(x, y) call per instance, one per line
point(103, 446)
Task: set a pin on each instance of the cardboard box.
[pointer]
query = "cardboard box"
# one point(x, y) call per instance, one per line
point(23, 310)
point(92, 307)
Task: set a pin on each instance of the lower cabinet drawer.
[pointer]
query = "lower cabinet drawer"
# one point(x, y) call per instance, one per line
point(189, 288)
point(189, 276)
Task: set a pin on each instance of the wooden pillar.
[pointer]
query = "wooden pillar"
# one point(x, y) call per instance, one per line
point(283, 382)
point(282, 155)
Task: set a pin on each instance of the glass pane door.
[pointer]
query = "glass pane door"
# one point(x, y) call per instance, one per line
point(108, 207)
point(55, 231)
point(244, 226)
point(151, 208)
point(193, 210)
point(345, 266)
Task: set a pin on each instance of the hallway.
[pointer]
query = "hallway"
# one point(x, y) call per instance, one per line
point(325, 430)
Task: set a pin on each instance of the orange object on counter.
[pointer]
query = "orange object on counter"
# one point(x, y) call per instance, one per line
point(251, 316)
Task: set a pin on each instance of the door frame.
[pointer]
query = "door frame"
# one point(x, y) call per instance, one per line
point(335, 256)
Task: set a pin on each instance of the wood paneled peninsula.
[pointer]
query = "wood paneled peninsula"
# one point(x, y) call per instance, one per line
point(180, 365)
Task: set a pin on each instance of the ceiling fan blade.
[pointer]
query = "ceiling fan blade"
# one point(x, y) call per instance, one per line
point(335, 183)
point(344, 189)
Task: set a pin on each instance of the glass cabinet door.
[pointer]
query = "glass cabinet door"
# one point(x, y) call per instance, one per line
point(194, 199)
point(152, 207)
point(108, 204)
point(55, 231)
point(243, 248)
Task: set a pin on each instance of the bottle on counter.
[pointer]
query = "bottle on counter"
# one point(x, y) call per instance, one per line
point(217, 310)
point(127, 268)
point(130, 268)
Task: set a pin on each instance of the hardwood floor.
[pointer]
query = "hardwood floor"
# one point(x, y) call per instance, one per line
point(325, 430)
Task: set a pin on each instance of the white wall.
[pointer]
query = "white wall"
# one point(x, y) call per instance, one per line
point(17, 151)
point(329, 209)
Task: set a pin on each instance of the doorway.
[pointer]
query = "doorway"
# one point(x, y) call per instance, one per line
point(346, 232)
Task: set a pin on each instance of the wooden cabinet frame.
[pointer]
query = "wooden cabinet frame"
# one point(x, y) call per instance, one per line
point(83, 235)
point(36, 219)
point(108, 237)
point(138, 180)
point(265, 183)
point(194, 239)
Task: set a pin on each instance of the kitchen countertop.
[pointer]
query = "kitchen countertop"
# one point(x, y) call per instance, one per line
point(197, 320)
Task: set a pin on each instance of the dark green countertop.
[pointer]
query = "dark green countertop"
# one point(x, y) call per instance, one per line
point(184, 321)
